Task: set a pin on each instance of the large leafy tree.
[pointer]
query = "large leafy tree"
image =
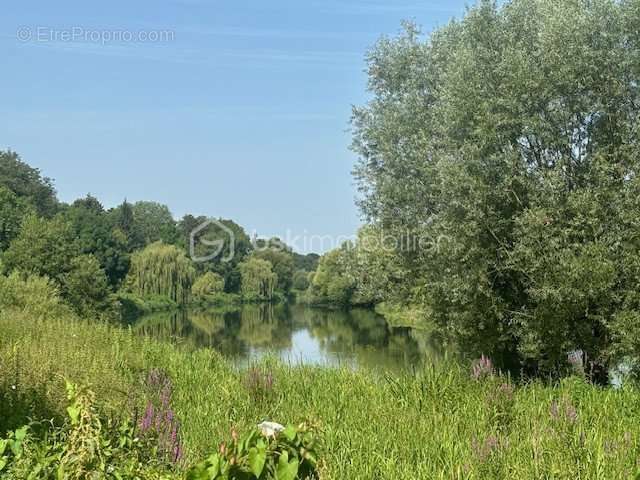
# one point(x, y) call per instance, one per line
point(85, 286)
point(27, 183)
point(98, 235)
point(162, 270)
point(508, 143)
point(282, 263)
point(13, 210)
point(258, 279)
point(155, 222)
point(43, 247)
point(224, 237)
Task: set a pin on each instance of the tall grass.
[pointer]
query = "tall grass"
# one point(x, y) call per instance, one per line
point(437, 423)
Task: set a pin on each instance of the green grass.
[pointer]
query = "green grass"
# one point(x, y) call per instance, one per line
point(437, 423)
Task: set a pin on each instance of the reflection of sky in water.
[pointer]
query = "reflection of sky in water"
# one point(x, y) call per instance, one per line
point(295, 334)
point(305, 349)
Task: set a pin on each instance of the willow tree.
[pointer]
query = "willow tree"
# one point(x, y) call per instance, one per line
point(258, 279)
point(509, 139)
point(162, 269)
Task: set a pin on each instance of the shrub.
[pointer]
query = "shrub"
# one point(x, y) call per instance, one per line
point(37, 296)
point(269, 452)
point(207, 286)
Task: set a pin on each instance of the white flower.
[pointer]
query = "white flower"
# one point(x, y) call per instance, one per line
point(270, 429)
point(13, 387)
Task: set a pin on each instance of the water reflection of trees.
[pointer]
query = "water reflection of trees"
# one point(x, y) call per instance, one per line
point(358, 335)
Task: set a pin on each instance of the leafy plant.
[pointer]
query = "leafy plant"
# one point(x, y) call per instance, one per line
point(269, 452)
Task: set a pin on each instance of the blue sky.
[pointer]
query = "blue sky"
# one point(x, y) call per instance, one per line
point(241, 111)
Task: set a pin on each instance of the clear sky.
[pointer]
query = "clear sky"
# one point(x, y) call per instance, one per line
point(230, 108)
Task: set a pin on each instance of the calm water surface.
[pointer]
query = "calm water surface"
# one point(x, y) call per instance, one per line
point(296, 334)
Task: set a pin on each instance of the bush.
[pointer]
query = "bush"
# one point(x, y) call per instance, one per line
point(206, 286)
point(88, 445)
point(269, 452)
point(37, 296)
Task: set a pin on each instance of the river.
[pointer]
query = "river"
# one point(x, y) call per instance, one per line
point(357, 338)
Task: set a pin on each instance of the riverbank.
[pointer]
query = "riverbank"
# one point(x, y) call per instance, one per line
point(437, 422)
point(132, 306)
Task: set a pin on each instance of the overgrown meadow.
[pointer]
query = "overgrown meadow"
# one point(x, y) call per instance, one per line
point(442, 421)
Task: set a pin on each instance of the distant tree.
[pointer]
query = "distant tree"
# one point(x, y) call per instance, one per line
point(123, 220)
point(282, 264)
point(332, 282)
point(235, 247)
point(42, 247)
point(258, 279)
point(163, 270)
point(155, 223)
point(300, 280)
point(308, 262)
point(208, 284)
point(188, 224)
point(27, 183)
point(98, 235)
point(13, 210)
point(85, 286)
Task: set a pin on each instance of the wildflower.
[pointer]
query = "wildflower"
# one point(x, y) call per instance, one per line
point(270, 429)
point(483, 367)
point(147, 419)
point(13, 387)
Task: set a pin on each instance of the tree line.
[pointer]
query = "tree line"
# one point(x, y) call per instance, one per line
point(135, 254)
point(511, 136)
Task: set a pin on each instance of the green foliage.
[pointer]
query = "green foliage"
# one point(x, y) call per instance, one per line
point(43, 247)
point(258, 279)
point(13, 210)
point(27, 183)
point(163, 270)
point(37, 296)
point(308, 262)
point(98, 234)
point(155, 222)
point(332, 283)
point(289, 454)
point(300, 280)
point(523, 163)
point(233, 253)
point(434, 421)
point(88, 445)
point(85, 286)
point(132, 306)
point(207, 286)
point(282, 263)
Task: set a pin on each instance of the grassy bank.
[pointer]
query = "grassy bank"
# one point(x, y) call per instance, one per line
point(437, 423)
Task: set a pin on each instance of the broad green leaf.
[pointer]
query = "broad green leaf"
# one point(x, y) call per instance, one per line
point(21, 433)
point(290, 432)
point(74, 414)
point(257, 459)
point(287, 470)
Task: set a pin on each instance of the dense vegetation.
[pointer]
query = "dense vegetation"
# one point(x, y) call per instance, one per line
point(133, 257)
point(444, 421)
point(498, 166)
point(498, 160)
